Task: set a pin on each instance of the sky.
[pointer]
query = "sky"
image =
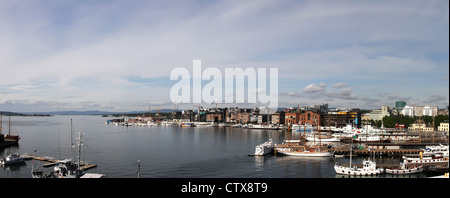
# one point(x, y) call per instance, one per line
point(111, 55)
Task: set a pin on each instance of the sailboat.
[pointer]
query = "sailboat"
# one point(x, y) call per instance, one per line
point(9, 136)
point(306, 150)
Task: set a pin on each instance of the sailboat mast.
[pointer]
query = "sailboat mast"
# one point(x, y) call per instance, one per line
point(351, 147)
point(71, 142)
point(1, 123)
point(79, 151)
point(9, 126)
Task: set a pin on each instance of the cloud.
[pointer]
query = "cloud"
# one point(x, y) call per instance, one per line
point(93, 49)
point(436, 100)
point(313, 88)
point(346, 94)
point(320, 90)
point(340, 85)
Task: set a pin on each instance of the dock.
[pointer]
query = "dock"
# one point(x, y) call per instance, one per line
point(52, 161)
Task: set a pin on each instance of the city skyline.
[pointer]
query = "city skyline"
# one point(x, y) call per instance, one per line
point(117, 55)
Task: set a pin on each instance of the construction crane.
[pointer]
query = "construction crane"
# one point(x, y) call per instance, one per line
point(220, 103)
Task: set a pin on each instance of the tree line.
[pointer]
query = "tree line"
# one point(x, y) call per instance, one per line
point(390, 121)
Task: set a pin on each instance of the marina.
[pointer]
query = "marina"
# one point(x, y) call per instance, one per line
point(114, 150)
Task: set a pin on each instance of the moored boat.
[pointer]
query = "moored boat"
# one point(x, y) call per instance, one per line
point(369, 169)
point(264, 148)
point(403, 170)
point(11, 159)
point(304, 151)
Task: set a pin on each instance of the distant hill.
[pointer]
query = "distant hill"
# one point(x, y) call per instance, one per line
point(7, 113)
point(96, 112)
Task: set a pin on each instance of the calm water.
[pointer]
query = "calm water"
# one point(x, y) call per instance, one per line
point(164, 152)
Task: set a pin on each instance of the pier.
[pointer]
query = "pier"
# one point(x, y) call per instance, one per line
point(52, 162)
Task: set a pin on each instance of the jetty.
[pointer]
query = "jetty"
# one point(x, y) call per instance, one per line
point(52, 162)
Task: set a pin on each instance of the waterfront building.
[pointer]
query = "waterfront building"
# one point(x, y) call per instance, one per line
point(378, 114)
point(214, 117)
point(291, 118)
point(444, 126)
point(232, 117)
point(263, 118)
point(335, 119)
point(420, 125)
point(244, 118)
point(278, 118)
point(310, 118)
point(340, 118)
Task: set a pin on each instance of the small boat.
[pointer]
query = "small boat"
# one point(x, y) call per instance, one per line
point(302, 128)
point(264, 148)
point(369, 168)
point(237, 126)
point(403, 170)
point(437, 169)
point(187, 124)
point(12, 159)
point(266, 127)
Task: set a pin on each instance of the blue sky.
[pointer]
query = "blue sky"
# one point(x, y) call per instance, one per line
point(118, 55)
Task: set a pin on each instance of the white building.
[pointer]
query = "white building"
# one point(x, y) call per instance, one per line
point(443, 126)
point(408, 111)
point(430, 110)
point(413, 110)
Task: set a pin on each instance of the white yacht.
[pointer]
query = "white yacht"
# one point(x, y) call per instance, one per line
point(264, 148)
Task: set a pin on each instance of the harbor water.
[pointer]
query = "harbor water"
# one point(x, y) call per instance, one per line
point(164, 152)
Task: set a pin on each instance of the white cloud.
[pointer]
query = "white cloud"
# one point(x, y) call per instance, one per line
point(340, 85)
point(89, 49)
point(313, 88)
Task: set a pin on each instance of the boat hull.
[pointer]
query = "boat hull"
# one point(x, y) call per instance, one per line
point(306, 154)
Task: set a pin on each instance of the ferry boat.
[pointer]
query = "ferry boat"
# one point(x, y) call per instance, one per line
point(264, 148)
point(424, 159)
point(370, 139)
point(440, 150)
